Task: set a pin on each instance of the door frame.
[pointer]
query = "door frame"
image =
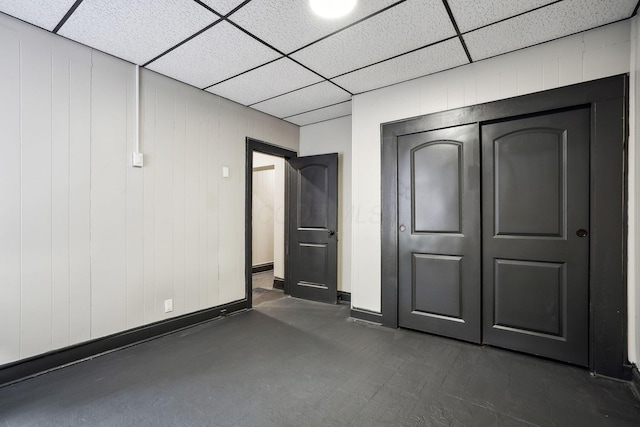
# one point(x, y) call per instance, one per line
point(255, 145)
point(608, 102)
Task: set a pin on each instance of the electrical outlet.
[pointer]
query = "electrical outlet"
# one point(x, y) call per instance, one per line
point(168, 305)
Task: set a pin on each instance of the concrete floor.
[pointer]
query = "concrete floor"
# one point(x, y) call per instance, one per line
point(296, 363)
point(263, 290)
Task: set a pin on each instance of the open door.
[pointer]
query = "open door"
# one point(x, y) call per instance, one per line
point(313, 216)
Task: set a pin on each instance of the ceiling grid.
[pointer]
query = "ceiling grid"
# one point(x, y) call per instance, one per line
point(276, 56)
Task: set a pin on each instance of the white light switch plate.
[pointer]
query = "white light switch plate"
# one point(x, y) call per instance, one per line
point(168, 305)
point(137, 160)
point(225, 172)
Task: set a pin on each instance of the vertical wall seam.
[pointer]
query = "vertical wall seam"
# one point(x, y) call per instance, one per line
point(184, 209)
point(52, 287)
point(68, 308)
point(155, 272)
point(173, 201)
point(126, 196)
point(90, 198)
point(21, 115)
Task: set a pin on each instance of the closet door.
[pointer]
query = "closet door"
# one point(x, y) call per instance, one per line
point(439, 232)
point(536, 235)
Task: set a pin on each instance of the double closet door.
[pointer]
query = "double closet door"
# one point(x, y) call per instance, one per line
point(493, 241)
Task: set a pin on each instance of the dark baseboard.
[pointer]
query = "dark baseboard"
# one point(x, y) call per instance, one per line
point(278, 283)
point(635, 382)
point(344, 296)
point(366, 315)
point(32, 366)
point(262, 267)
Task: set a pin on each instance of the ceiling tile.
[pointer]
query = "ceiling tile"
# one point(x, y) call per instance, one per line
point(273, 79)
point(43, 13)
point(217, 54)
point(322, 114)
point(290, 24)
point(222, 6)
point(408, 26)
point(551, 22)
point(472, 14)
point(429, 60)
point(137, 30)
point(303, 100)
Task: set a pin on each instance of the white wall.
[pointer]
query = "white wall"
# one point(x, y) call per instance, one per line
point(334, 136)
point(594, 54)
point(633, 284)
point(90, 246)
point(262, 216)
point(278, 163)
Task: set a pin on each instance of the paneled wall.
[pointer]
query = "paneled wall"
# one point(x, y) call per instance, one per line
point(586, 56)
point(633, 244)
point(90, 246)
point(334, 136)
point(262, 216)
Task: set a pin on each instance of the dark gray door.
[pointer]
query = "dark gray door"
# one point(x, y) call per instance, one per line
point(313, 249)
point(439, 232)
point(535, 235)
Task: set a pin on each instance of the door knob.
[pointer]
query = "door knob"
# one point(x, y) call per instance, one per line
point(332, 233)
point(582, 233)
point(402, 228)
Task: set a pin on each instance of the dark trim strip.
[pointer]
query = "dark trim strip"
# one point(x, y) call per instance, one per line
point(344, 297)
point(264, 168)
point(36, 365)
point(520, 14)
point(635, 382)
point(260, 268)
point(278, 283)
point(635, 10)
point(244, 72)
point(455, 27)
point(319, 121)
point(66, 17)
point(183, 42)
point(366, 315)
point(315, 109)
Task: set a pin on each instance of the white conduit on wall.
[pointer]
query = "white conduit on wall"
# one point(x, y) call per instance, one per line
point(136, 157)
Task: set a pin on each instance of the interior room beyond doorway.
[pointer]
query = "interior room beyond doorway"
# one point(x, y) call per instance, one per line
point(268, 224)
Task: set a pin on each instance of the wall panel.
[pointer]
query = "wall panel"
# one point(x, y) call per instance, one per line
point(36, 71)
point(109, 102)
point(89, 245)
point(10, 194)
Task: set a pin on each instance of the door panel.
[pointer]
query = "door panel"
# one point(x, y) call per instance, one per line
point(313, 238)
point(439, 232)
point(535, 266)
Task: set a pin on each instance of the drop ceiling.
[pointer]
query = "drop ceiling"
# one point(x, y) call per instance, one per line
point(276, 56)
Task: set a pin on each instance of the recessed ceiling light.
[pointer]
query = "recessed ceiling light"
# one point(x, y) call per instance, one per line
point(332, 8)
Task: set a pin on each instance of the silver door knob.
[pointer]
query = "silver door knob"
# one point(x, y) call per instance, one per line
point(402, 228)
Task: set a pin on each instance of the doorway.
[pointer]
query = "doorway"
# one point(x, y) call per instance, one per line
point(305, 214)
point(603, 104)
point(266, 220)
point(268, 206)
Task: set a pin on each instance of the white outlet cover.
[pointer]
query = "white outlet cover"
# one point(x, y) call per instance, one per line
point(168, 306)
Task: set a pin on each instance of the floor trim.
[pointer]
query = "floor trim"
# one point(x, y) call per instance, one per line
point(278, 283)
point(366, 315)
point(23, 369)
point(344, 296)
point(635, 382)
point(261, 267)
